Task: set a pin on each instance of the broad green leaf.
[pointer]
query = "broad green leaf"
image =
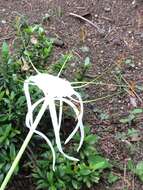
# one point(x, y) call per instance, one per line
point(97, 162)
point(91, 139)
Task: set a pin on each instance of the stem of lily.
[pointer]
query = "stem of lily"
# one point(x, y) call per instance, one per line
point(24, 145)
point(17, 159)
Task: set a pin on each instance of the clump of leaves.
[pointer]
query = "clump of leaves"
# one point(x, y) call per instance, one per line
point(32, 44)
point(82, 70)
point(11, 104)
point(133, 114)
point(137, 169)
point(71, 175)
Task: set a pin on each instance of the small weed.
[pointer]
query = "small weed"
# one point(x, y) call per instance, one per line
point(132, 116)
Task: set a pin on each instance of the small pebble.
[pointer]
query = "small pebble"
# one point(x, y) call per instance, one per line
point(84, 49)
point(96, 16)
point(141, 35)
point(102, 33)
point(3, 21)
point(129, 31)
point(107, 9)
point(58, 42)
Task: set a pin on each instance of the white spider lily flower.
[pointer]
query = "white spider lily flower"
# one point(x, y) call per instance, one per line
point(54, 89)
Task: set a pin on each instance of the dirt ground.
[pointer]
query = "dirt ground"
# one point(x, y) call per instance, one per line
point(117, 38)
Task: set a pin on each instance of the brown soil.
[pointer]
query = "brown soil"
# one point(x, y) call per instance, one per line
point(120, 38)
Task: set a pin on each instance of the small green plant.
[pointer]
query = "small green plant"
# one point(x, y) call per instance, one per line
point(132, 115)
point(130, 134)
point(11, 104)
point(7, 148)
point(137, 169)
point(71, 175)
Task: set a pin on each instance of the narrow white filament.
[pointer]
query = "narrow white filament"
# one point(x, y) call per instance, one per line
point(54, 89)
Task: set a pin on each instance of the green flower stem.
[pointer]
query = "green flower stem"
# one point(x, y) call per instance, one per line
point(24, 145)
point(17, 159)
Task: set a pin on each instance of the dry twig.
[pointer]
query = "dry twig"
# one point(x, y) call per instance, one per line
point(88, 21)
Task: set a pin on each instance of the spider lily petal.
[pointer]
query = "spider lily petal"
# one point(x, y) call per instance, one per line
point(29, 122)
point(54, 88)
point(52, 110)
point(78, 125)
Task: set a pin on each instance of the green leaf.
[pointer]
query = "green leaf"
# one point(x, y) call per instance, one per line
point(88, 183)
point(1, 177)
point(5, 50)
point(128, 61)
point(127, 119)
point(91, 139)
point(131, 165)
point(139, 88)
point(139, 170)
point(112, 178)
point(75, 184)
point(50, 177)
point(137, 111)
point(1, 95)
point(97, 162)
point(87, 62)
point(104, 116)
point(85, 171)
point(12, 152)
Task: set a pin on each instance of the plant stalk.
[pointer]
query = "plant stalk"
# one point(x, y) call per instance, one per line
point(17, 159)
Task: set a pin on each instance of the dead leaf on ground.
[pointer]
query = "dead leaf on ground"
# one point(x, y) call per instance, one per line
point(83, 34)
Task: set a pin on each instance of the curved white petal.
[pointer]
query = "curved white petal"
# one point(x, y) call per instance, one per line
point(53, 114)
point(29, 123)
point(78, 125)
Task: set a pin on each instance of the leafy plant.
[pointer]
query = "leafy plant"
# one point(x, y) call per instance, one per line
point(132, 115)
point(137, 169)
point(71, 175)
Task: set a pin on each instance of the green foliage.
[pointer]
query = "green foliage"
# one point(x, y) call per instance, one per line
point(137, 169)
point(82, 70)
point(131, 133)
point(132, 115)
point(33, 46)
point(112, 178)
point(56, 67)
point(10, 109)
point(69, 174)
